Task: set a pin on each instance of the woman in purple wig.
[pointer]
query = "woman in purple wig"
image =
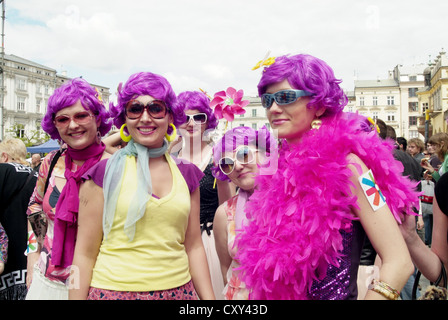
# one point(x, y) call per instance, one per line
point(196, 146)
point(335, 183)
point(77, 117)
point(138, 233)
point(239, 157)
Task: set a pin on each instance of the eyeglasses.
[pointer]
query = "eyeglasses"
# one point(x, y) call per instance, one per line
point(243, 155)
point(198, 118)
point(282, 97)
point(156, 109)
point(64, 120)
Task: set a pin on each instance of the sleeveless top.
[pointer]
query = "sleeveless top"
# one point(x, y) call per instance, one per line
point(209, 199)
point(156, 259)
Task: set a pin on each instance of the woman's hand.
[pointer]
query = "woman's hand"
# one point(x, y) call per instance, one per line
point(425, 165)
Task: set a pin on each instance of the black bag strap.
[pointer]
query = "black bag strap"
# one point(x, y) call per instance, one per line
point(440, 280)
point(53, 163)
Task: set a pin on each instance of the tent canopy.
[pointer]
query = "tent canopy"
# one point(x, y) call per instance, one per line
point(46, 147)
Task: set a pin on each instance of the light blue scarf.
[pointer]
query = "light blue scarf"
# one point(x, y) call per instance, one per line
point(113, 177)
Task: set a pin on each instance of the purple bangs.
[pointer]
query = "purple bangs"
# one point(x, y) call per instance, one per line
point(67, 95)
point(261, 139)
point(305, 72)
point(195, 100)
point(146, 83)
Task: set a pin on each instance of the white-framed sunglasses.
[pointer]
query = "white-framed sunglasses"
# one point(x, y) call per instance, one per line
point(198, 118)
point(243, 154)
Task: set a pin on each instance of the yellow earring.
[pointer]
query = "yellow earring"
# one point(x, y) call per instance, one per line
point(124, 137)
point(173, 135)
point(316, 123)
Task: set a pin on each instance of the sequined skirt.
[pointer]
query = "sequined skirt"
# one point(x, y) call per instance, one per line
point(185, 292)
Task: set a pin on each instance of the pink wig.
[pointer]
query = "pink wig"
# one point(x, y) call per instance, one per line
point(67, 95)
point(305, 72)
point(232, 139)
point(146, 83)
point(196, 100)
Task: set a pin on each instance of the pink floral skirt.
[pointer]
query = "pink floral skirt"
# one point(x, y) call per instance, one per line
point(185, 292)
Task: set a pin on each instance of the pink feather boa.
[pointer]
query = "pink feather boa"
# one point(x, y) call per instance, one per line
point(296, 215)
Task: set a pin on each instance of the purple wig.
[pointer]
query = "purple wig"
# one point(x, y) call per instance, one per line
point(305, 72)
point(67, 95)
point(196, 100)
point(232, 139)
point(146, 83)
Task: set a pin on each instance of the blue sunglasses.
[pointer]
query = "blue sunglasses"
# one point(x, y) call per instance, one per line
point(282, 97)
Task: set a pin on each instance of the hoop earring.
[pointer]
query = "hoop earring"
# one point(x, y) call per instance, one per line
point(124, 137)
point(173, 135)
point(316, 123)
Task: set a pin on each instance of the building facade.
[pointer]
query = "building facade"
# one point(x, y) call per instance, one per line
point(393, 100)
point(255, 116)
point(434, 95)
point(26, 88)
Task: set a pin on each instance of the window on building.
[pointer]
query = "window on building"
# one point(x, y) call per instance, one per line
point(412, 121)
point(20, 131)
point(361, 101)
point(254, 112)
point(375, 101)
point(413, 106)
point(374, 115)
point(391, 116)
point(242, 115)
point(47, 89)
point(38, 102)
point(390, 100)
point(413, 134)
point(21, 84)
point(254, 126)
point(413, 92)
point(412, 78)
point(268, 126)
point(20, 104)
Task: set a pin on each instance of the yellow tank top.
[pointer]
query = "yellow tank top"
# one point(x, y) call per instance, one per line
point(156, 259)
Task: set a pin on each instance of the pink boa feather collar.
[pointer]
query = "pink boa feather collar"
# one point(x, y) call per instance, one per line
point(296, 215)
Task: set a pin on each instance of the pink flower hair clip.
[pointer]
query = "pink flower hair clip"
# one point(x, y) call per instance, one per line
point(226, 104)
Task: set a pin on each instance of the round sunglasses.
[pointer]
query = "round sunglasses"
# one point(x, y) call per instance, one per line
point(198, 118)
point(243, 155)
point(156, 109)
point(64, 120)
point(282, 97)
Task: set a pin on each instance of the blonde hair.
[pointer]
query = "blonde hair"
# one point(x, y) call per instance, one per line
point(16, 150)
point(418, 143)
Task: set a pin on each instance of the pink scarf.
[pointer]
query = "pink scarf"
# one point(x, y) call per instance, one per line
point(66, 214)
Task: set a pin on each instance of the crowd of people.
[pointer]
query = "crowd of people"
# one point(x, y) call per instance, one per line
point(159, 210)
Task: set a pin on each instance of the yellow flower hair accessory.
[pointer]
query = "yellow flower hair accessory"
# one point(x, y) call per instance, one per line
point(205, 92)
point(100, 98)
point(266, 62)
point(374, 124)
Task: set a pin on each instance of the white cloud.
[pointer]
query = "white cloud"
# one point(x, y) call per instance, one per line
point(215, 43)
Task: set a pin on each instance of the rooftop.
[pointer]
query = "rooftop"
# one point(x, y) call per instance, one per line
point(376, 83)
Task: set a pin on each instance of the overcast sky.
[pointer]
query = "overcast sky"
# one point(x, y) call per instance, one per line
point(213, 44)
